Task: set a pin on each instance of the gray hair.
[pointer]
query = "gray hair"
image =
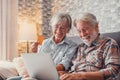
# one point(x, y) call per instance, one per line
point(61, 17)
point(87, 17)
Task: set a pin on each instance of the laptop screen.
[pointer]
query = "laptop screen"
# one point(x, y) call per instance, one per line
point(40, 66)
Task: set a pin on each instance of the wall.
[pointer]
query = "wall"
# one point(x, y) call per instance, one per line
point(107, 11)
point(37, 11)
point(40, 12)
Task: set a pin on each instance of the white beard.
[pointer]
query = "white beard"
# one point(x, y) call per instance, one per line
point(92, 38)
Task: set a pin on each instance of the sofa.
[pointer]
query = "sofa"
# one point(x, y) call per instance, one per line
point(9, 69)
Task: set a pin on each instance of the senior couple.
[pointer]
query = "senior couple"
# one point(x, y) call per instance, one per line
point(97, 58)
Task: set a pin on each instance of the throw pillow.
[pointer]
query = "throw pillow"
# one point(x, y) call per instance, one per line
point(19, 64)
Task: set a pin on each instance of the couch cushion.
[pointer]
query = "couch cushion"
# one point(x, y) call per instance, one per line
point(114, 35)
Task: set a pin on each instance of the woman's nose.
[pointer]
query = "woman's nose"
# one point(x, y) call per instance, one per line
point(58, 29)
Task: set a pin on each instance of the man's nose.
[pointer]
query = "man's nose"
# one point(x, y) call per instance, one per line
point(83, 33)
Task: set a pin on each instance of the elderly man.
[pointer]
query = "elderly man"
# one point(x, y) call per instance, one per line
point(98, 58)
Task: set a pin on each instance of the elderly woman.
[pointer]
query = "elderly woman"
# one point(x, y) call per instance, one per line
point(59, 46)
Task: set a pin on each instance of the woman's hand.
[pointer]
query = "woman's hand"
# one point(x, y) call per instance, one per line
point(60, 67)
point(34, 47)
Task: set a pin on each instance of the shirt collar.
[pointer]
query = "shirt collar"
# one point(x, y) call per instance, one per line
point(65, 40)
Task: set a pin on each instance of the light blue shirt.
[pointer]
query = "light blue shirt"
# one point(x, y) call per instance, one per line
point(61, 53)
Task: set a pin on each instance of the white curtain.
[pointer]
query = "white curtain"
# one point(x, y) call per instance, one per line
point(8, 29)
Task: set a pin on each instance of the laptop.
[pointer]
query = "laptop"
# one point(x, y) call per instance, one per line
point(40, 66)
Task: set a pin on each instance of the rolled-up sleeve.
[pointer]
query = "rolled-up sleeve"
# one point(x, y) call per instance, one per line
point(67, 59)
point(112, 62)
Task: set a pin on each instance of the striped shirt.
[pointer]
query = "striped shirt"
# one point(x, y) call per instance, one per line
point(62, 53)
point(103, 55)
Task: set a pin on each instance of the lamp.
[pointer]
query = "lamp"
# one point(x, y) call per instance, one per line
point(27, 32)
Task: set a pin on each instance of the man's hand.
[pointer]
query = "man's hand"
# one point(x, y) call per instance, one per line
point(61, 73)
point(72, 76)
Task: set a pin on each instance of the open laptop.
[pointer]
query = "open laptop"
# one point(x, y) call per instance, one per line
point(40, 66)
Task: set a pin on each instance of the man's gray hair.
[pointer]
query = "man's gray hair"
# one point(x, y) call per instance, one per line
point(87, 17)
point(61, 17)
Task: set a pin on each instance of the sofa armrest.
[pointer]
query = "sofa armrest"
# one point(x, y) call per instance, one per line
point(7, 69)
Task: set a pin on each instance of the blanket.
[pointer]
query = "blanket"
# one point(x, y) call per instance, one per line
point(7, 70)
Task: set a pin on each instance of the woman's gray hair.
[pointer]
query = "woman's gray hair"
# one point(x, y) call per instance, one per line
point(61, 17)
point(87, 17)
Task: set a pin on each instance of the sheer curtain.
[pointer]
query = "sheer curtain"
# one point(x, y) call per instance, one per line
point(8, 29)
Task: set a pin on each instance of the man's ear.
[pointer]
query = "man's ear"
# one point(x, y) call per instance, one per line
point(97, 27)
point(68, 30)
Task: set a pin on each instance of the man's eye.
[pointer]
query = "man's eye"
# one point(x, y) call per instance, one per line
point(62, 28)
